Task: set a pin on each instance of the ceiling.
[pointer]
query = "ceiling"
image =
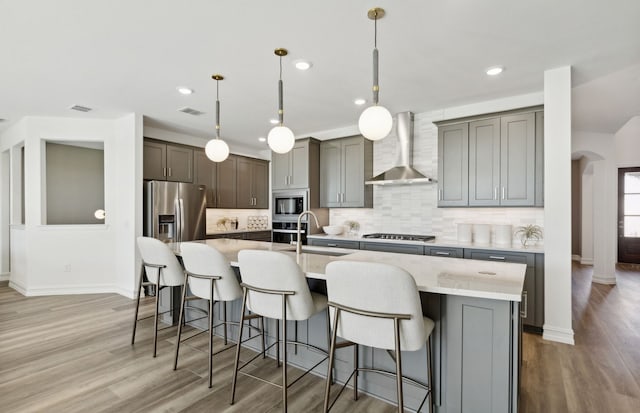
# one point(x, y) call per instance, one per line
point(123, 56)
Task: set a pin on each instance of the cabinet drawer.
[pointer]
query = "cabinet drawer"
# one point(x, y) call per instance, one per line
point(402, 248)
point(488, 255)
point(334, 243)
point(258, 236)
point(444, 252)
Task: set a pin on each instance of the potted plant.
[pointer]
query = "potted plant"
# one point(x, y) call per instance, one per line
point(353, 227)
point(528, 233)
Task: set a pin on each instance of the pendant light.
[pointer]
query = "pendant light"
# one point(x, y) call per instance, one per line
point(280, 138)
point(216, 149)
point(375, 122)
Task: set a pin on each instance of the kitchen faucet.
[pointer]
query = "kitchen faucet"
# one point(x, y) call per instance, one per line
point(298, 242)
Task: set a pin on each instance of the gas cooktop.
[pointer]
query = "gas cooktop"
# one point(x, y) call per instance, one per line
point(400, 237)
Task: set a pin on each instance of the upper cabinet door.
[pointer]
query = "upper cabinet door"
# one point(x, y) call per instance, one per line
point(453, 165)
point(299, 166)
point(539, 159)
point(330, 164)
point(154, 163)
point(244, 194)
point(281, 169)
point(484, 162)
point(260, 184)
point(352, 166)
point(517, 152)
point(204, 173)
point(179, 164)
point(226, 182)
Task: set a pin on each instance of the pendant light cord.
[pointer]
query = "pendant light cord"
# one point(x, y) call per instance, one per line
point(217, 109)
point(376, 87)
point(280, 103)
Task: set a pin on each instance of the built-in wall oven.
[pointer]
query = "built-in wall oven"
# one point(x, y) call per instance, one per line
point(285, 232)
point(287, 205)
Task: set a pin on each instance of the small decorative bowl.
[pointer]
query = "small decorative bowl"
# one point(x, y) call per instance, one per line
point(333, 229)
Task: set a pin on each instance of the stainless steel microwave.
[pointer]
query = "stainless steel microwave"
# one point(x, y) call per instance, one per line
point(287, 205)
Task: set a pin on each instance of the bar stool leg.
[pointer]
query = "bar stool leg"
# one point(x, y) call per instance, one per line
point(235, 368)
point(155, 327)
point(356, 366)
point(264, 353)
point(396, 325)
point(224, 317)
point(284, 354)
point(332, 350)
point(278, 343)
point(430, 374)
point(181, 319)
point(135, 316)
point(211, 320)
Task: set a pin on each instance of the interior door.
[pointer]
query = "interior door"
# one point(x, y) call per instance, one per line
point(629, 215)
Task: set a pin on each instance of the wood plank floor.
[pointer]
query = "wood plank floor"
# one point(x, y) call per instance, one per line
point(72, 354)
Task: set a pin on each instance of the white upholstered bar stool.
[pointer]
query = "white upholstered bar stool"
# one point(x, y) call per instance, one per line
point(208, 274)
point(162, 268)
point(376, 305)
point(274, 286)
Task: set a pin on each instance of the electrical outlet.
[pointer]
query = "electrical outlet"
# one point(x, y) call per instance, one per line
point(67, 268)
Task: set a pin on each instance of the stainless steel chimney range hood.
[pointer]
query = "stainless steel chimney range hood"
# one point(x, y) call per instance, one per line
point(403, 173)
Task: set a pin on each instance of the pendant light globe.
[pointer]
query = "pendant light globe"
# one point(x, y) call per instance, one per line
point(281, 139)
point(375, 122)
point(217, 150)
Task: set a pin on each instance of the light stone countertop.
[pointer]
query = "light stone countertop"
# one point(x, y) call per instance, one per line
point(441, 275)
point(514, 247)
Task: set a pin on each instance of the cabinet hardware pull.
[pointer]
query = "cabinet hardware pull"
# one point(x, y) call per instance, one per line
point(525, 299)
point(495, 193)
point(164, 171)
point(443, 253)
point(332, 245)
point(338, 197)
point(439, 194)
point(169, 171)
point(495, 257)
point(503, 192)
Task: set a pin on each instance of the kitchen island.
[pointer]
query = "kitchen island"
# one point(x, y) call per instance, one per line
point(476, 340)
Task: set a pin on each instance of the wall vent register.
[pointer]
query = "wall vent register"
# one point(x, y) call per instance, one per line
point(400, 237)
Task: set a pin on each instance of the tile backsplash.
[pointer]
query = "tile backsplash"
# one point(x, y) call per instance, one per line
point(412, 209)
point(214, 214)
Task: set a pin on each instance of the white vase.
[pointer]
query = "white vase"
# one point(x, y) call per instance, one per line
point(482, 233)
point(502, 234)
point(464, 233)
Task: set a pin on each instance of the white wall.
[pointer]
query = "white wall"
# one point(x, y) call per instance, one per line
point(557, 209)
point(59, 259)
point(601, 208)
point(628, 144)
point(586, 253)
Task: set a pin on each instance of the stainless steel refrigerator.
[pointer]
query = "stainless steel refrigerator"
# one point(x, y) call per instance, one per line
point(174, 211)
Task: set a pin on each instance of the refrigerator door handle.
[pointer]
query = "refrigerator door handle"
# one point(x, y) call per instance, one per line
point(176, 207)
point(181, 212)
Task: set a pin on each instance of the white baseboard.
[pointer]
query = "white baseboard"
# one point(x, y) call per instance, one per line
point(5, 276)
point(560, 335)
point(610, 280)
point(575, 257)
point(586, 261)
point(72, 290)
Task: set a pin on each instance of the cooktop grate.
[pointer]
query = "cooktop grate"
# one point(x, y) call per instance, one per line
point(401, 237)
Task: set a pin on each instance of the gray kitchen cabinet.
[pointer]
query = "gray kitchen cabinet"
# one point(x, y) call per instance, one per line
point(226, 182)
point(336, 243)
point(298, 168)
point(388, 247)
point(484, 162)
point(249, 235)
point(517, 160)
point(480, 355)
point(532, 305)
point(345, 164)
point(539, 159)
point(502, 161)
point(204, 173)
point(450, 252)
point(167, 162)
point(252, 183)
point(453, 165)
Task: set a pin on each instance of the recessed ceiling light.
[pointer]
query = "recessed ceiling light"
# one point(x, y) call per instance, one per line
point(360, 101)
point(184, 90)
point(262, 139)
point(496, 70)
point(274, 121)
point(302, 64)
